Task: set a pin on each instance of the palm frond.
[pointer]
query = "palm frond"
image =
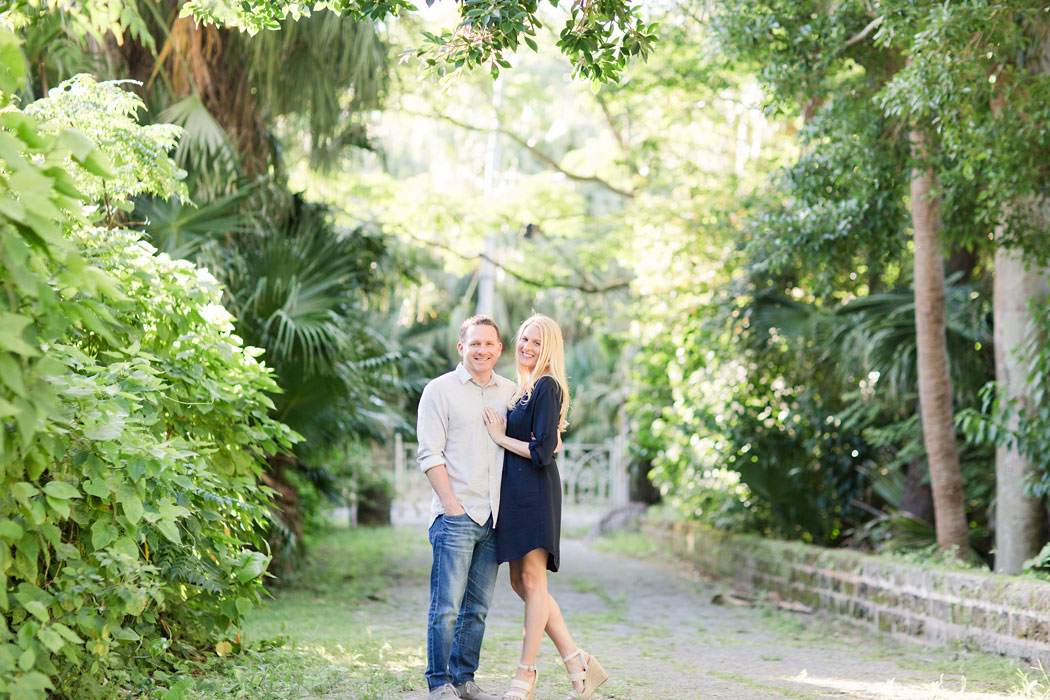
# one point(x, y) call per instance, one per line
point(181, 229)
point(325, 69)
point(203, 140)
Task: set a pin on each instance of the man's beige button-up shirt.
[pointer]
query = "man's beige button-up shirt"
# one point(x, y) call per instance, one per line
point(450, 431)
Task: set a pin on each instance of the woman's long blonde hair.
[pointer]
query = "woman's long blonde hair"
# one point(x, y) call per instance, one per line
point(550, 361)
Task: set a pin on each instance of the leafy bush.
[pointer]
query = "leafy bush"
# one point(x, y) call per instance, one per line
point(133, 420)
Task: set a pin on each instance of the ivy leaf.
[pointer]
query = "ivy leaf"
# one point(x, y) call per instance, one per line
point(97, 488)
point(126, 634)
point(60, 506)
point(254, 566)
point(11, 374)
point(11, 326)
point(169, 530)
point(171, 511)
point(37, 610)
point(10, 530)
point(131, 503)
point(61, 489)
point(51, 639)
point(23, 491)
point(8, 409)
point(102, 533)
point(68, 634)
point(110, 428)
point(12, 65)
point(27, 659)
point(136, 605)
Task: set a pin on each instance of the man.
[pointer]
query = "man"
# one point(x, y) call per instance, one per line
point(464, 468)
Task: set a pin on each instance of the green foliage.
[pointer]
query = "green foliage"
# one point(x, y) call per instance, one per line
point(300, 649)
point(133, 421)
point(107, 115)
point(301, 291)
point(282, 69)
point(806, 357)
point(92, 19)
point(1022, 426)
point(846, 207)
point(599, 38)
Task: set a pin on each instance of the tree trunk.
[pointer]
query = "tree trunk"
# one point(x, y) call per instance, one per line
point(204, 60)
point(935, 383)
point(1019, 517)
point(214, 70)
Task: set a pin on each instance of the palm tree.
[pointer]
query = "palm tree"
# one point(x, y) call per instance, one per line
point(322, 71)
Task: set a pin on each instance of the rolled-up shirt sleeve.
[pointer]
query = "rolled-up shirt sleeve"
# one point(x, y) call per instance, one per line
point(546, 415)
point(431, 429)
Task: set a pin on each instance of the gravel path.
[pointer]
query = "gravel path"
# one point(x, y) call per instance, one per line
point(652, 624)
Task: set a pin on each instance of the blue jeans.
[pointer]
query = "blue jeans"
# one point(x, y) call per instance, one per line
point(462, 579)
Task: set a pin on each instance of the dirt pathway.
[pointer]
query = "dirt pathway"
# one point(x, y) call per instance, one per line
point(652, 623)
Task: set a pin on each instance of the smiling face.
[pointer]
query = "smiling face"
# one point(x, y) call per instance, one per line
point(480, 348)
point(530, 343)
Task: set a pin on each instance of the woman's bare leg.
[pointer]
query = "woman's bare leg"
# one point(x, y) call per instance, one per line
point(528, 578)
point(558, 631)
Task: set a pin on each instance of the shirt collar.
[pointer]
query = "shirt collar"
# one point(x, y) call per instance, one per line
point(465, 376)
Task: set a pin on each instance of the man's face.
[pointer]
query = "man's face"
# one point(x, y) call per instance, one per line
point(480, 348)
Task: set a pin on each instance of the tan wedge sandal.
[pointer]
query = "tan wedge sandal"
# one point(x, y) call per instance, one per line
point(592, 675)
point(520, 690)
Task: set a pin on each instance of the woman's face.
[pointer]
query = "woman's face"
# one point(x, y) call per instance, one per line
point(529, 347)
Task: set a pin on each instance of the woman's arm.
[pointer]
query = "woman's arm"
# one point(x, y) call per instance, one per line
point(497, 426)
point(546, 439)
point(546, 416)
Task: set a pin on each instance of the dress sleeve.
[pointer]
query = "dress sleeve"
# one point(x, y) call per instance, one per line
point(546, 414)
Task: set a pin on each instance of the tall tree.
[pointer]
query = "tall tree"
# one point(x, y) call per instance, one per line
point(812, 52)
point(935, 382)
point(1021, 290)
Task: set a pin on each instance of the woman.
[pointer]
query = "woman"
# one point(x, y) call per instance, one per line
point(529, 527)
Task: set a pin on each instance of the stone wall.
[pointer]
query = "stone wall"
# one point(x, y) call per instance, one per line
point(1004, 614)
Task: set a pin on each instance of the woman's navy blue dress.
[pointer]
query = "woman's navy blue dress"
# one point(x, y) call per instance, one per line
point(530, 497)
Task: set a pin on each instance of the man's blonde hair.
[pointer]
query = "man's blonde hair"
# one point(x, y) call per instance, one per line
point(479, 320)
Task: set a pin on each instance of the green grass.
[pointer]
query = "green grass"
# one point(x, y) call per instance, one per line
point(977, 670)
point(628, 543)
point(306, 643)
point(1033, 683)
point(617, 607)
point(575, 532)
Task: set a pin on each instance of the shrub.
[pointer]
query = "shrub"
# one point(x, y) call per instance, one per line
point(133, 422)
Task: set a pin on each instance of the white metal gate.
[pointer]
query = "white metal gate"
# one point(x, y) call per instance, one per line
point(591, 474)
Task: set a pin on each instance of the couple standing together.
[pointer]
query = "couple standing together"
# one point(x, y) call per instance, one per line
point(487, 448)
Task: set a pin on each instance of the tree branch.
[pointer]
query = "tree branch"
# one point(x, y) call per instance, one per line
point(586, 286)
point(863, 34)
point(537, 153)
point(616, 132)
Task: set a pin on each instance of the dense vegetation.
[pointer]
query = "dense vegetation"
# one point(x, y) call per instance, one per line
point(798, 253)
